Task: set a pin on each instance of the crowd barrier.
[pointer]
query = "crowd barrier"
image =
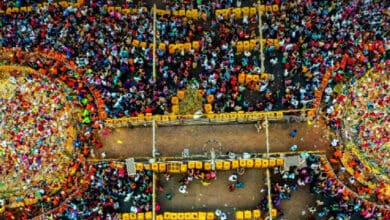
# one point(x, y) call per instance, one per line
point(172, 48)
point(186, 216)
point(239, 215)
point(210, 117)
point(247, 214)
point(60, 57)
point(194, 14)
point(136, 216)
point(241, 46)
point(13, 53)
point(223, 165)
point(98, 102)
point(252, 214)
point(249, 45)
point(241, 12)
point(324, 83)
point(143, 161)
point(30, 8)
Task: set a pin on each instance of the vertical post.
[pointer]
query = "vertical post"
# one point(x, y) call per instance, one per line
point(154, 43)
point(262, 58)
point(154, 139)
point(267, 171)
point(154, 122)
point(267, 134)
point(154, 174)
point(212, 153)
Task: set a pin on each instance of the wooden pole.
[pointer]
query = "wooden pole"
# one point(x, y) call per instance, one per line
point(267, 171)
point(154, 122)
point(154, 174)
point(262, 58)
point(154, 43)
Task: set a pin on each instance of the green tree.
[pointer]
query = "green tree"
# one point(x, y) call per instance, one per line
point(191, 102)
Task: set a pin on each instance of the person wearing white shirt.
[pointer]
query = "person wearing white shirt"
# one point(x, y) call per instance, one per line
point(183, 188)
point(233, 178)
point(334, 142)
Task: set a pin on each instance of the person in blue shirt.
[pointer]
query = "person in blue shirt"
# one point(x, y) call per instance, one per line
point(293, 133)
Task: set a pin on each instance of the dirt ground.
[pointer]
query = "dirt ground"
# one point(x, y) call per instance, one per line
point(170, 141)
point(217, 196)
point(214, 196)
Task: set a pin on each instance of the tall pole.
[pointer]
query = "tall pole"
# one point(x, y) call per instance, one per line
point(154, 174)
point(262, 58)
point(268, 172)
point(154, 122)
point(154, 138)
point(267, 134)
point(154, 43)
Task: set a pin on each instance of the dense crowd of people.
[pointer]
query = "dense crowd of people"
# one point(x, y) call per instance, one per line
point(110, 191)
point(358, 117)
point(101, 42)
point(356, 114)
point(39, 159)
point(285, 182)
point(312, 36)
point(342, 204)
point(333, 199)
point(34, 132)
